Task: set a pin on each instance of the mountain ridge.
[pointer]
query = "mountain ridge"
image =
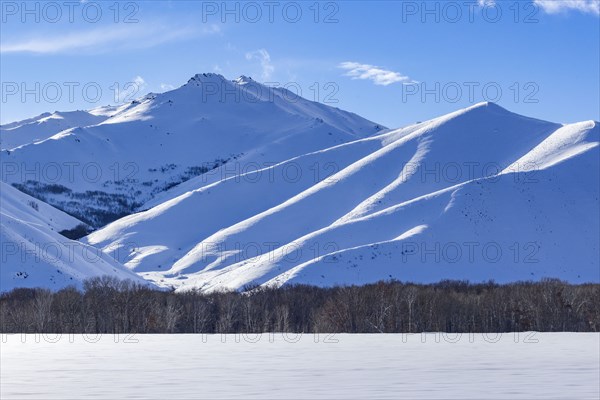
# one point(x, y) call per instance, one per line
point(372, 181)
point(236, 184)
point(158, 141)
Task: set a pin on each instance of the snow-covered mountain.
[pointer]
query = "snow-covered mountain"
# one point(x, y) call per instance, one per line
point(35, 254)
point(242, 184)
point(108, 162)
point(44, 126)
point(477, 194)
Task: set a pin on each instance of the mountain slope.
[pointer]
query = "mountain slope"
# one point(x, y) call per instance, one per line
point(24, 207)
point(34, 254)
point(503, 228)
point(44, 126)
point(350, 213)
point(110, 169)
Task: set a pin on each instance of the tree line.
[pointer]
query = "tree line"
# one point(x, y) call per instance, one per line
point(107, 305)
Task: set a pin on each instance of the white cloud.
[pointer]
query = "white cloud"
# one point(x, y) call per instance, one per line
point(557, 6)
point(166, 86)
point(378, 75)
point(265, 62)
point(99, 40)
point(135, 88)
point(212, 29)
point(140, 83)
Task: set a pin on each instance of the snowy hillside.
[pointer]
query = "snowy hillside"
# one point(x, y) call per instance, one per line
point(107, 163)
point(19, 205)
point(44, 126)
point(34, 254)
point(478, 194)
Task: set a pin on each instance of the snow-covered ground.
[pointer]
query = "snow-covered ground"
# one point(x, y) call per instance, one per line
point(498, 366)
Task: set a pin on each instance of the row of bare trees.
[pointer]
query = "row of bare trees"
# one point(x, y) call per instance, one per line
point(106, 305)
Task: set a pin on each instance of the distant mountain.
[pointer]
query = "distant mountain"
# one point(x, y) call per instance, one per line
point(478, 194)
point(44, 126)
point(108, 162)
point(34, 254)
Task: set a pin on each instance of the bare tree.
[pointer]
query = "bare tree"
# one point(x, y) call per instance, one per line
point(107, 305)
point(42, 305)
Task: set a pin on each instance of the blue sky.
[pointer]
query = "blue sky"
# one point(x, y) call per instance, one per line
point(393, 62)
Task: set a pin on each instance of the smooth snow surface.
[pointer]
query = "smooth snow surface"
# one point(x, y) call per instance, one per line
point(387, 366)
point(478, 194)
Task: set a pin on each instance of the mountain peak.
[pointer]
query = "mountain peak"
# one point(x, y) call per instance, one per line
point(486, 105)
point(206, 77)
point(243, 79)
point(483, 109)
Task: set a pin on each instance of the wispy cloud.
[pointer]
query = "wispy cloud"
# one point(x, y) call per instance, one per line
point(558, 6)
point(103, 39)
point(132, 89)
point(265, 62)
point(212, 29)
point(378, 75)
point(140, 83)
point(166, 87)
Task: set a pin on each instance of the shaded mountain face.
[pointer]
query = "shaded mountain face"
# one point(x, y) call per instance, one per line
point(103, 164)
point(478, 194)
point(35, 254)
